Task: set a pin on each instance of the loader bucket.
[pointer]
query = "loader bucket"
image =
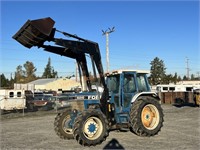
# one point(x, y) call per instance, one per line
point(35, 32)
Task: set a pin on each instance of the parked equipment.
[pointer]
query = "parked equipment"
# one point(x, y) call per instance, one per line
point(11, 100)
point(125, 104)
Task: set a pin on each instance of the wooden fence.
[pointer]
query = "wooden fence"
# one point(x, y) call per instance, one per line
point(176, 97)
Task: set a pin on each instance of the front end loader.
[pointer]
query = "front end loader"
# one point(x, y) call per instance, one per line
point(126, 103)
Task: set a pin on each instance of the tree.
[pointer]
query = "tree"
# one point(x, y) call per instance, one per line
point(176, 78)
point(4, 81)
point(11, 82)
point(27, 75)
point(168, 79)
point(179, 78)
point(29, 71)
point(49, 71)
point(157, 71)
point(185, 78)
point(192, 77)
point(19, 74)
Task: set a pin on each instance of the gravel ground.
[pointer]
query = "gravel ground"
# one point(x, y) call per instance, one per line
point(34, 130)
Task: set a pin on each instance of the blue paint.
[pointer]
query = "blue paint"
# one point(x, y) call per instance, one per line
point(91, 128)
point(129, 84)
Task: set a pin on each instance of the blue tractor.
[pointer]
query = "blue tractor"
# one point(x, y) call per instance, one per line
point(126, 102)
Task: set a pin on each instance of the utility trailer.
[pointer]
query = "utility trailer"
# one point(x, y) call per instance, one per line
point(11, 100)
point(126, 103)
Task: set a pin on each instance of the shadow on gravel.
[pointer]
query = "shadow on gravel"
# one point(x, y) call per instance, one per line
point(113, 144)
point(181, 103)
point(19, 114)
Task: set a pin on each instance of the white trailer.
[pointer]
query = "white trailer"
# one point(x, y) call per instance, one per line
point(176, 88)
point(12, 100)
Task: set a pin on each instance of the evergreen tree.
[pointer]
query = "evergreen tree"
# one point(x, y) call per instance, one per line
point(49, 71)
point(185, 78)
point(192, 77)
point(168, 79)
point(4, 81)
point(175, 78)
point(179, 78)
point(157, 71)
point(11, 82)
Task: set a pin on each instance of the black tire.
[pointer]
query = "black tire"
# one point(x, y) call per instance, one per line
point(62, 127)
point(91, 127)
point(146, 116)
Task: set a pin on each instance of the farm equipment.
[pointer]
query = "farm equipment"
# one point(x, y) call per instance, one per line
point(126, 103)
point(12, 100)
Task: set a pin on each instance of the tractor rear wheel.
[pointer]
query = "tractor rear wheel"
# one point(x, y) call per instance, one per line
point(146, 116)
point(62, 125)
point(90, 127)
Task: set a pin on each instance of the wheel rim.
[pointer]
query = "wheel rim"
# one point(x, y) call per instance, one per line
point(150, 117)
point(65, 125)
point(92, 128)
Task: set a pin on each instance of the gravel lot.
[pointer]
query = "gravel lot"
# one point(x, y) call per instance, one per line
point(181, 130)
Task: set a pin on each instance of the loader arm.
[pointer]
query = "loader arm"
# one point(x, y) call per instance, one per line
point(78, 50)
point(37, 32)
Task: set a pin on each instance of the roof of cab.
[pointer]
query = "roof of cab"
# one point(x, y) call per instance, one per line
point(126, 70)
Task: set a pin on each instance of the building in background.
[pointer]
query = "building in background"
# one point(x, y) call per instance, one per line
point(54, 84)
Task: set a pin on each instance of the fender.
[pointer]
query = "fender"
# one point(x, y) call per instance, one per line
point(152, 94)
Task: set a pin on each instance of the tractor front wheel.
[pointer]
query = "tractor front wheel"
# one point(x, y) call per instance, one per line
point(90, 127)
point(62, 125)
point(146, 116)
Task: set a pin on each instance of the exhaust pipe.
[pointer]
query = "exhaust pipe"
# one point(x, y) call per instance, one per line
point(35, 32)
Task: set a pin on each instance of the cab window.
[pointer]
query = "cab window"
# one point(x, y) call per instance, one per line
point(113, 83)
point(142, 85)
point(129, 84)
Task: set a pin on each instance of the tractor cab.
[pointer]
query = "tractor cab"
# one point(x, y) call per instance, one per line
point(124, 87)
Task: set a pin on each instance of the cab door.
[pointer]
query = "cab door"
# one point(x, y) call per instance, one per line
point(128, 90)
point(114, 84)
point(122, 88)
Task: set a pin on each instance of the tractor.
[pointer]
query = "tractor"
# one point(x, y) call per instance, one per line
point(126, 103)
